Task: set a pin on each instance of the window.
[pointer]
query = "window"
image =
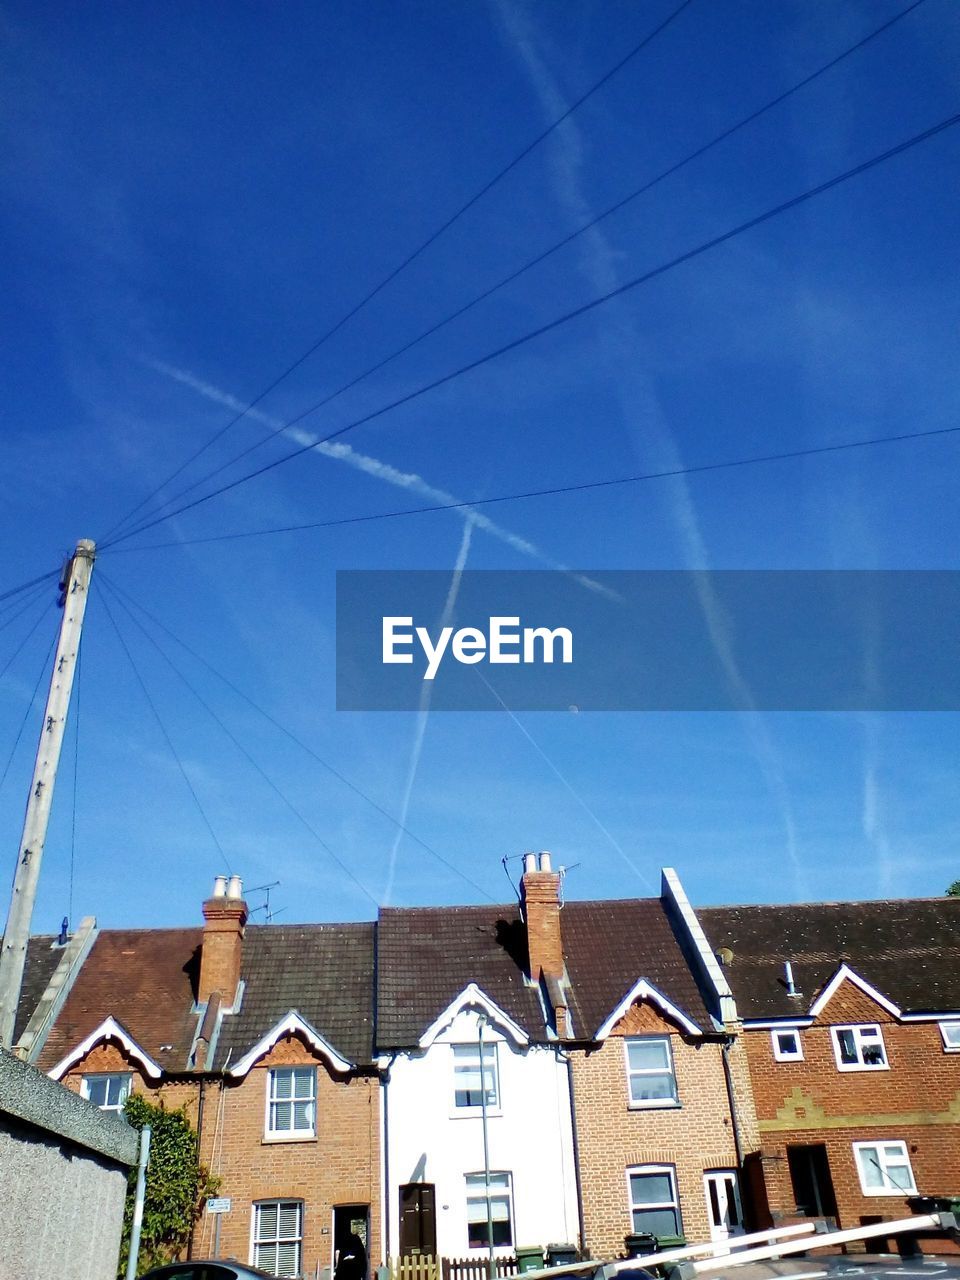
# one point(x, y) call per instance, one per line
point(500, 1210)
point(884, 1168)
point(278, 1236)
point(653, 1199)
point(466, 1075)
point(859, 1048)
point(650, 1072)
point(109, 1092)
point(951, 1036)
point(787, 1046)
point(292, 1101)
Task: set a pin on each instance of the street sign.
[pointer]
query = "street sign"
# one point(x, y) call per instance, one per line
point(219, 1204)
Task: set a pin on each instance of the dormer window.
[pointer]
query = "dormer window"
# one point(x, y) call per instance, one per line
point(108, 1092)
point(859, 1048)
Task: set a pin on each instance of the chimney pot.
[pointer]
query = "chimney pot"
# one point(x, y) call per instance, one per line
point(235, 888)
point(529, 863)
point(545, 863)
point(220, 887)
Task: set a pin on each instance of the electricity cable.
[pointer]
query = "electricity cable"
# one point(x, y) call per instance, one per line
point(17, 607)
point(584, 309)
point(13, 657)
point(298, 742)
point(549, 252)
point(246, 754)
point(26, 714)
point(412, 256)
point(25, 586)
point(556, 490)
point(163, 729)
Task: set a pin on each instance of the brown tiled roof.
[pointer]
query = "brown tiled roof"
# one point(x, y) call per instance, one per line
point(146, 979)
point(428, 955)
point(909, 950)
point(609, 946)
point(43, 956)
point(323, 971)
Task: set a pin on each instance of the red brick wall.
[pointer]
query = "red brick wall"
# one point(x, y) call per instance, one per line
point(917, 1101)
point(696, 1136)
point(340, 1166)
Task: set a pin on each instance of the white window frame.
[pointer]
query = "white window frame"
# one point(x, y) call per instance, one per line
point(270, 1132)
point(878, 1146)
point(476, 1192)
point(674, 1204)
point(465, 1052)
point(255, 1238)
point(858, 1029)
point(126, 1079)
point(779, 1054)
point(643, 1103)
point(948, 1027)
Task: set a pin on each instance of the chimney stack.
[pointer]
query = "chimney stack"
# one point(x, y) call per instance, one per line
point(540, 900)
point(224, 918)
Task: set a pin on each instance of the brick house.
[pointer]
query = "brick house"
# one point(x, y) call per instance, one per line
point(664, 1113)
point(265, 1035)
point(851, 1013)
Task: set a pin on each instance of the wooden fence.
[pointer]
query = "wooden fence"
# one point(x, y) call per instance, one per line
point(423, 1268)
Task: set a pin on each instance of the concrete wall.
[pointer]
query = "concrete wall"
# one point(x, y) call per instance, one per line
point(63, 1179)
point(530, 1135)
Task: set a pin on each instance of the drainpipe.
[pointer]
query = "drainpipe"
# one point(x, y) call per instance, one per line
point(728, 1044)
point(385, 1161)
point(565, 1057)
point(491, 1259)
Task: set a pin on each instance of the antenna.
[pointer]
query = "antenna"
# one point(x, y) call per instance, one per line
point(264, 906)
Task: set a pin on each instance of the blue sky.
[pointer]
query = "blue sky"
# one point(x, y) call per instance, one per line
point(192, 195)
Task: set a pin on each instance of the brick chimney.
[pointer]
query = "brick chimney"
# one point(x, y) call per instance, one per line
point(540, 900)
point(224, 917)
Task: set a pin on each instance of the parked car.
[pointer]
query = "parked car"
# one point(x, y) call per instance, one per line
point(198, 1269)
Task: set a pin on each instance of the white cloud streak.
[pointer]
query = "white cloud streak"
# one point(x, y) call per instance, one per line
point(619, 346)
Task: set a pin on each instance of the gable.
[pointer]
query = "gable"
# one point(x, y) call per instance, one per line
point(645, 1019)
point(643, 991)
point(849, 998)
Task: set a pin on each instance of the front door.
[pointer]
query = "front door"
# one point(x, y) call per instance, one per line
point(418, 1220)
point(811, 1180)
point(351, 1241)
point(722, 1190)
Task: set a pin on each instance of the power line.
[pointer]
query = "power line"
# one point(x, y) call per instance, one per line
point(169, 741)
point(246, 754)
point(515, 275)
point(26, 714)
point(412, 256)
point(13, 657)
point(555, 490)
point(584, 309)
point(25, 586)
point(352, 786)
point(16, 608)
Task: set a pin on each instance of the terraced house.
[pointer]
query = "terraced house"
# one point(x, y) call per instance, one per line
point(534, 1073)
point(851, 1013)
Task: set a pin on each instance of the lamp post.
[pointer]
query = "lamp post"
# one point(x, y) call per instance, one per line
point(491, 1259)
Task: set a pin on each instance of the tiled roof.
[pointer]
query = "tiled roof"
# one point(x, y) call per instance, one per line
point(324, 971)
point(428, 955)
point(609, 946)
point(43, 956)
point(909, 950)
point(146, 979)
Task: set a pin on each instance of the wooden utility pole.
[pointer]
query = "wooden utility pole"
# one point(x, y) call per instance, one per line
point(75, 586)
